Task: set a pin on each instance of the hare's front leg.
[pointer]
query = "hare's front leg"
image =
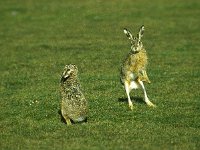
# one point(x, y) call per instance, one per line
point(144, 77)
point(127, 88)
point(68, 121)
point(146, 99)
point(65, 116)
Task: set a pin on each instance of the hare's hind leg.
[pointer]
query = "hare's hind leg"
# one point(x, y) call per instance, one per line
point(127, 88)
point(146, 99)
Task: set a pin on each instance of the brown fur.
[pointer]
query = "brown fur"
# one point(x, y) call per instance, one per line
point(74, 106)
point(133, 69)
point(136, 63)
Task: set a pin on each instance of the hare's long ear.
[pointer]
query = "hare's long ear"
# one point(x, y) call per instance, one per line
point(141, 32)
point(128, 34)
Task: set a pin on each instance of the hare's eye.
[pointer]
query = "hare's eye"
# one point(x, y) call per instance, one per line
point(140, 43)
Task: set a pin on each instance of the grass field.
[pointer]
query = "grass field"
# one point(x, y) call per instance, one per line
point(37, 39)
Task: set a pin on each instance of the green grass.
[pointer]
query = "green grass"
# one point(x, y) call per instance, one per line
point(38, 38)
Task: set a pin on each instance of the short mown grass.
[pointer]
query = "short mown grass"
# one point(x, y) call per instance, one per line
point(37, 39)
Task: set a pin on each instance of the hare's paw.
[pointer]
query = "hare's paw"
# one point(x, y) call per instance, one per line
point(68, 121)
point(148, 81)
point(150, 104)
point(130, 106)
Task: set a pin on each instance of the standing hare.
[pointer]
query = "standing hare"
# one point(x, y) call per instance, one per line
point(133, 69)
point(73, 103)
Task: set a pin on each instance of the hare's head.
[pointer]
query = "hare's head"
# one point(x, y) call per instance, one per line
point(136, 43)
point(69, 71)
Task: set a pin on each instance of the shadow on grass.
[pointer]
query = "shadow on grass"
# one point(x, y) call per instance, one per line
point(134, 99)
point(62, 119)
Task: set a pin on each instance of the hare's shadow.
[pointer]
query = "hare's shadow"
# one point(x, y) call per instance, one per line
point(133, 99)
point(62, 119)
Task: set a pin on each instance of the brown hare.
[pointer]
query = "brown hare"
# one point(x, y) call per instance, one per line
point(133, 69)
point(73, 103)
